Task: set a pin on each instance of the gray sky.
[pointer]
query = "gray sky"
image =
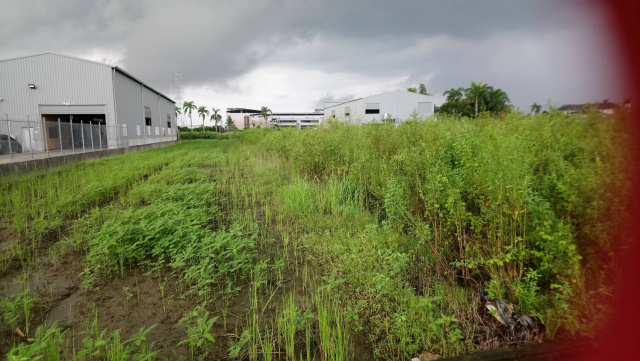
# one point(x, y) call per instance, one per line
point(292, 55)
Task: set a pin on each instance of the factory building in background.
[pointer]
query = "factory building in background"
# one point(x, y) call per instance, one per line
point(397, 106)
point(252, 118)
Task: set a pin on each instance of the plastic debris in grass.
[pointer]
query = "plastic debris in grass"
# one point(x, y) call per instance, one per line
point(499, 321)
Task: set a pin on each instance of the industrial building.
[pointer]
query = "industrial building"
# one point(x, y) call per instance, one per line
point(50, 101)
point(396, 105)
point(251, 118)
point(241, 117)
point(292, 120)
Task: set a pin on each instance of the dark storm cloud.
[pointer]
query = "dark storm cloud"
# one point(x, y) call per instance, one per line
point(330, 98)
point(217, 41)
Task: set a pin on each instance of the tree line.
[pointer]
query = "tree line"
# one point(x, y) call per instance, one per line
point(189, 106)
point(478, 97)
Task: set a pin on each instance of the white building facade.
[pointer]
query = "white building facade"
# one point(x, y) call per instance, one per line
point(241, 117)
point(252, 118)
point(290, 120)
point(397, 105)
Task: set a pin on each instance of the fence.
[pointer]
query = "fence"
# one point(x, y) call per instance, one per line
point(22, 140)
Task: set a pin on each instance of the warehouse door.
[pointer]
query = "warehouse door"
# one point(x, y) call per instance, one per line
point(74, 126)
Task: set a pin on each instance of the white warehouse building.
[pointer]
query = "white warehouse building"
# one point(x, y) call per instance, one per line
point(398, 105)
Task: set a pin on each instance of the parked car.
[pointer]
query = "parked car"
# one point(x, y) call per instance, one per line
point(16, 147)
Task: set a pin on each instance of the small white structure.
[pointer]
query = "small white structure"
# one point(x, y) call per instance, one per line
point(397, 105)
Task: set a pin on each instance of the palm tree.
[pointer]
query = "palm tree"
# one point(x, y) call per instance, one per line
point(536, 108)
point(264, 112)
point(203, 111)
point(477, 92)
point(178, 112)
point(454, 95)
point(215, 117)
point(496, 100)
point(230, 125)
point(422, 89)
point(187, 107)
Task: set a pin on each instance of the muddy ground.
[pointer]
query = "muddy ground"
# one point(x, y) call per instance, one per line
point(128, 303)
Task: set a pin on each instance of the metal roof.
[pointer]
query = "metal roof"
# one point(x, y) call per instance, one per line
point(372, 95)
point(242, 110)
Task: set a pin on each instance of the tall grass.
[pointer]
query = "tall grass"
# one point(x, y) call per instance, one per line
point(401, 224)
point(458, 201)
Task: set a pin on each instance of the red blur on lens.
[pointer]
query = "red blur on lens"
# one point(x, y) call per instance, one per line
point(620, 340)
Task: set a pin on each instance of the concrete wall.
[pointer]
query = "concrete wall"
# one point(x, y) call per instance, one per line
point(398, 104)
point(238, 119)
point(39, 164)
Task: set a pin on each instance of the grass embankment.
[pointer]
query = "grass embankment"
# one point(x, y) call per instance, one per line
point(198, 134)
point(341, 240)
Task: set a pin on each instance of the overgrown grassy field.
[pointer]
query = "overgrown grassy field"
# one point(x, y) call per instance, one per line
point(337, 243)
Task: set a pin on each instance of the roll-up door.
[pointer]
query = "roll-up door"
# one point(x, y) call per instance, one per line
point(73, 109)
point(372, 108)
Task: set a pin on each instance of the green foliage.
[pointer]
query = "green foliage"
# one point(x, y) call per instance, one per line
point(17, 309)
point(478, 98)
point(45, 344)
point(33, 210)
point(204, 135)
point(482, 200)
point(49, 344)
point(199, 336)
point(385, 228)
point(168, 234)
point(335, 341)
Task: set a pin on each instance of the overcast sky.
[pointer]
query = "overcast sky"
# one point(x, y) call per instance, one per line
point(293, 55)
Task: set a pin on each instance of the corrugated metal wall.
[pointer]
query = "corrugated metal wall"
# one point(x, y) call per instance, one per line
point(131, 99)
point(58, 80)
point(63, 80)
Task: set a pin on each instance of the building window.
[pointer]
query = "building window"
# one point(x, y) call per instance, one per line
point(333, 113)
point(168, 121)
point(347, 111)
point(138, 130)
point(425, 108)
point(246, 121)
point(124, 130)
point(372, 108)
point(157, 131)
point(147, 116)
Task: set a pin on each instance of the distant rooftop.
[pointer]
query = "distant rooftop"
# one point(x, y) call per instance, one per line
point(242, 110)
point(578, 107)
point(333, 104)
